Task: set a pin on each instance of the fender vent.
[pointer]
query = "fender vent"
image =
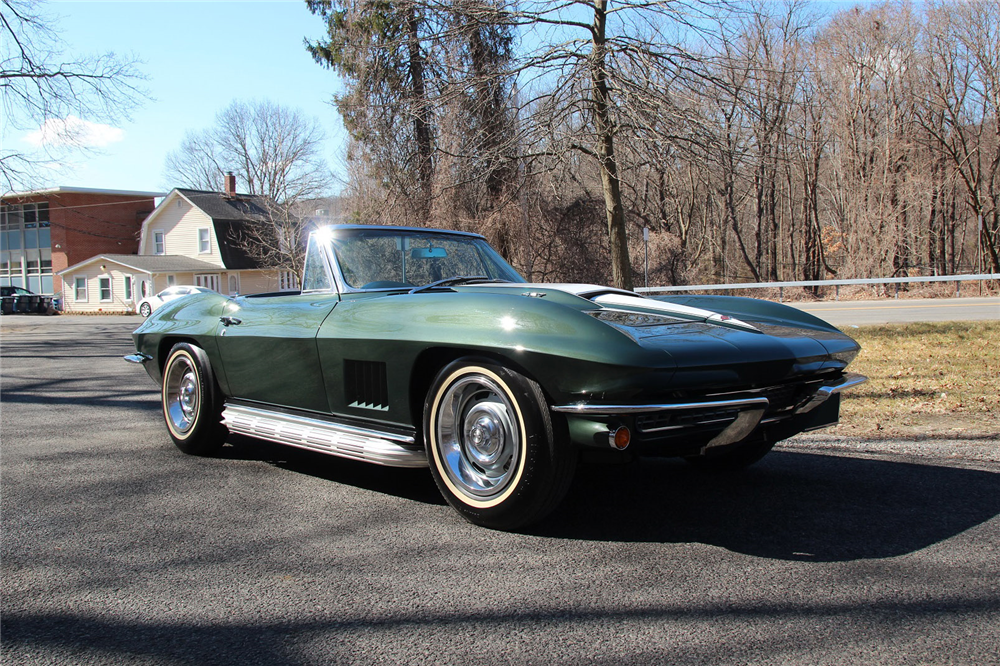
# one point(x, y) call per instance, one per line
point(365, 385)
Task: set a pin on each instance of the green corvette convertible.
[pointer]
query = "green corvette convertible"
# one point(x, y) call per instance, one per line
point(419, 347)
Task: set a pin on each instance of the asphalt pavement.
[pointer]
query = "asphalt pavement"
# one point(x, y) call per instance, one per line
point(118, 549)
point(904, 310)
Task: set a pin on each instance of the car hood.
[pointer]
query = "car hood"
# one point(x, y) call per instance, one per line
point(735, 341)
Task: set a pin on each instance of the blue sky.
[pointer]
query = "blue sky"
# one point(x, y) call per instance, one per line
point(198, 57)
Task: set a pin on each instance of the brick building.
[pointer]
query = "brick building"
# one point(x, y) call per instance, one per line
point(45, 231)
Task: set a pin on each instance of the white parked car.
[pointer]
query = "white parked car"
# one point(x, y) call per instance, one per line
point(146, 306)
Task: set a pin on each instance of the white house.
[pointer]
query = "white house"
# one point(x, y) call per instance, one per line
point(190, 238)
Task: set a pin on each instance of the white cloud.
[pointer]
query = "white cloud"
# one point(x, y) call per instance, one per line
point(74, 132)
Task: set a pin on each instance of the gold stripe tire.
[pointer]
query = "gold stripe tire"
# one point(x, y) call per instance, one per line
point(191, 403)
point(493, 451)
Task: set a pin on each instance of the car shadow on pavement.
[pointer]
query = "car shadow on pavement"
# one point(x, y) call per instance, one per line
point(790, 506)
point(412, 484)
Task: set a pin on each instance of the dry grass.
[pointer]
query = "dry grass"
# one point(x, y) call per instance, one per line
point(926, 380)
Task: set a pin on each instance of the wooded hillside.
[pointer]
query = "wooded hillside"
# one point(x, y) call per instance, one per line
point(761, 141)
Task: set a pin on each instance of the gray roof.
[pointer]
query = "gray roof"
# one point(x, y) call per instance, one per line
point(252, 207)
point(154, 263)
point(230, 215)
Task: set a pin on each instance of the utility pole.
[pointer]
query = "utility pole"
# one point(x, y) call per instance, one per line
point(645, 240)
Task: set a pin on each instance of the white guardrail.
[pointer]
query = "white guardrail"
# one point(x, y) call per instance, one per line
point(957, 279)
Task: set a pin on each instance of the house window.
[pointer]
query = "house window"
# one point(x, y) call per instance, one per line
point(171, 280)
point(159, 243)
point(104, 284)
point(80, 290)
point(287, 281)
point(208, 280)
point(204, 246)
point(128, 287)
point(234, 284)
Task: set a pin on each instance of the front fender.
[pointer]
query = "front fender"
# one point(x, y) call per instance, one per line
point(194, 319)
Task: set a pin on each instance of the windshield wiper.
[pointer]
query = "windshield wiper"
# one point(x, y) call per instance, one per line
point(452, 281)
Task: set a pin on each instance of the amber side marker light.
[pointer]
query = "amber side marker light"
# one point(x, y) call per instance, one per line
point(620, 438)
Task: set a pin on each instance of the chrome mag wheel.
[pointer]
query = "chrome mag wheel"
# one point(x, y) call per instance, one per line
point(478, 436)
point(182, 393)
point(191, 402)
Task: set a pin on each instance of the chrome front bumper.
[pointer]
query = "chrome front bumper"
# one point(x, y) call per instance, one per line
point(138, 357)
point(849, 380)
point(744, 414)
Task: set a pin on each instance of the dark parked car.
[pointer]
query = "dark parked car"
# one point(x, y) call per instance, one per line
point(416, 347)
point(18, 300)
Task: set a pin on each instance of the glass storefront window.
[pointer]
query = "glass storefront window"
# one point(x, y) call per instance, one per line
point(25, 242)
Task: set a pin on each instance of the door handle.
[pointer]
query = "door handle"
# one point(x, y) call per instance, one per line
point(230, 321)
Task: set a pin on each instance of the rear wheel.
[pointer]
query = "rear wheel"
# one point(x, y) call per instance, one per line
point(145, 310)
point(492, 447)
point(191, 401)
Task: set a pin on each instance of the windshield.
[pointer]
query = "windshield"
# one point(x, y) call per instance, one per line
point(385, 259)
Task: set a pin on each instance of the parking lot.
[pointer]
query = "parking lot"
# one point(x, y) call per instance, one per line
point(118, 549)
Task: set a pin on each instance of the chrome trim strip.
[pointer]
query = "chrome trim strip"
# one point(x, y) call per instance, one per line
point(138, 357)
point(335, 228)
point(695, 424)
point(823, 393)
point(737, 430)
point(375, 446)
point(611, 410)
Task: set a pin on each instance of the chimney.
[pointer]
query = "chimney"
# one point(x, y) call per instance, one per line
point(230, 185)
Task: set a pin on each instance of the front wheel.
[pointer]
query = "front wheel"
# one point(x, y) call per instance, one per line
point(191, 402)
point(492, 447)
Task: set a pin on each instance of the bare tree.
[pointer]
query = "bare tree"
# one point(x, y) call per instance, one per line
point(59, 96)
point(962, 116)
point(273, 150)
point(756, 140)
point(600, 75)
point(275, 153)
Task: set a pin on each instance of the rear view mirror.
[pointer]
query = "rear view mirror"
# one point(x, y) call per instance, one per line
point(428, 253)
